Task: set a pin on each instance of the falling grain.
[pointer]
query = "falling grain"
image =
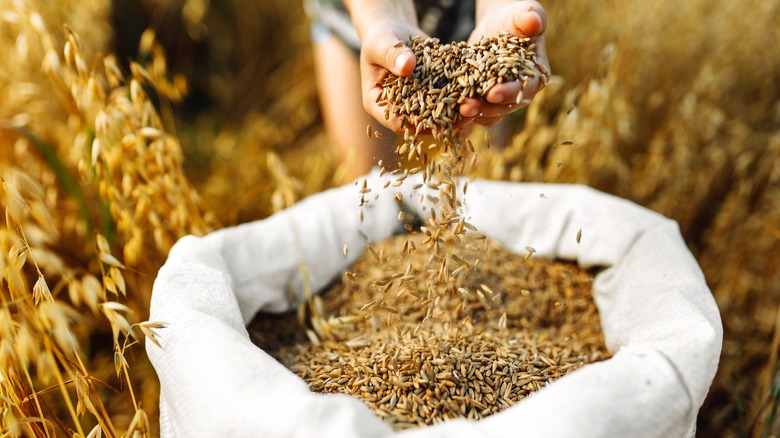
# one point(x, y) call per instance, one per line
point(440, 350)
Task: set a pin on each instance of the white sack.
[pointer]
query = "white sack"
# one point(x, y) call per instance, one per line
point(658, 316)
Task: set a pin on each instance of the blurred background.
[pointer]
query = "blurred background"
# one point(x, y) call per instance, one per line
point(125, 125)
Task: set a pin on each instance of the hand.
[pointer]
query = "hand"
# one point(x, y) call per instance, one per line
point(382, 24)
point(380, 53)
point(523, 19)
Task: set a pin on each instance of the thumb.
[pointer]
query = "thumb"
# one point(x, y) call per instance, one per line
point(385, 48)
point(524, 19)
point(530, 20)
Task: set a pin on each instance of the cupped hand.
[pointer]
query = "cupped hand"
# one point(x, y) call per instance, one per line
point(380, 53)
point(526, 19)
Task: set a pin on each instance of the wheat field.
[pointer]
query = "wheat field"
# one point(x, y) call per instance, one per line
point(126, 125)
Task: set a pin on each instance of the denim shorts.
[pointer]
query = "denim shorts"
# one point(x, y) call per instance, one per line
point(448, 20)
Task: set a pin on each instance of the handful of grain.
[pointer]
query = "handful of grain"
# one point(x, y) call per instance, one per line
point(418, 350)
point(428, 101)
point(447, 74)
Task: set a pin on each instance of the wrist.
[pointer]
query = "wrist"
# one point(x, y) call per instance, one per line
point(484, 6)
point(365, 14)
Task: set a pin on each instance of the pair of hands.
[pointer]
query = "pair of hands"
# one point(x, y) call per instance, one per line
point(381, 26)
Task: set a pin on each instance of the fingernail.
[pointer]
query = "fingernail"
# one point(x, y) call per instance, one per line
point(400, 62)
point(497, 97)
point(470, 112)
point(538, 18)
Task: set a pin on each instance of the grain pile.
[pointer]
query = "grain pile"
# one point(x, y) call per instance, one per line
point(418, 350)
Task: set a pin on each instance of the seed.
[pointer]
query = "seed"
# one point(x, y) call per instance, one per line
point(346, 249)
point(579, 235)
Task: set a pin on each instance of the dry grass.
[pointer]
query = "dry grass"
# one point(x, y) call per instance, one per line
point(679, 113)
point(90, 176)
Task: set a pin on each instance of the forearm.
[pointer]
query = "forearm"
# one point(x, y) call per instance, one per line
point(483, 6)
point(366, 12)
point(519, 17)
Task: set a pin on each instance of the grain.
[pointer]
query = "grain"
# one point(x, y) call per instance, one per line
point(428, 103)
point(468, 346)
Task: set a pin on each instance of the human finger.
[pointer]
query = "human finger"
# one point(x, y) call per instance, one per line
point(478, 109)
point(385, 49)
point(526, 19)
